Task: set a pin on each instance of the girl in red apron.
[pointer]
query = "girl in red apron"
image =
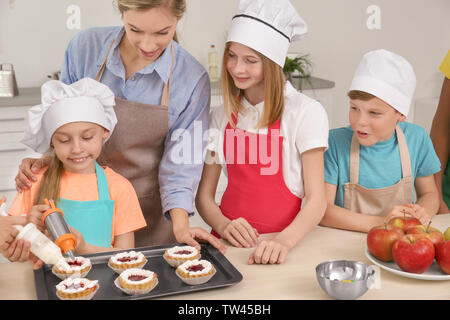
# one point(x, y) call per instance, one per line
point(269, 139)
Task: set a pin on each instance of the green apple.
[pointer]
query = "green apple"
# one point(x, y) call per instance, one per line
point(447, 234)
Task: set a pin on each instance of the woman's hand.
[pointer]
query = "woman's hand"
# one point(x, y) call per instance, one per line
point(270, 251)
point(240, 233)
point(18, 251)
point(190, 236)
point(185, 234)
point(7, 231)
point(27, 170)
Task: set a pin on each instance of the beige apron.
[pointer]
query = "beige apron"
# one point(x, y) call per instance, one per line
point(378, 202)
point(135, 150)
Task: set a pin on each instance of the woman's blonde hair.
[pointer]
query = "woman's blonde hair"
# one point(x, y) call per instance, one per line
point(274, 82)
point(178, 7)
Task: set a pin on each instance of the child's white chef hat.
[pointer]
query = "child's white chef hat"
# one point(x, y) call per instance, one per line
point(85, 100)
point(387, 76)
point(267, 26)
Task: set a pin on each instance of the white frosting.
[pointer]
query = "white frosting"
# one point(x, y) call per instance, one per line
point(77, 281)
point(207, 266)
point(172, 252)
point(132, 254)
point(139, 272)
point(63, 264)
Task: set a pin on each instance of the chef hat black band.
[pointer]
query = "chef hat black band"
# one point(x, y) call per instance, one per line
point(267, 24)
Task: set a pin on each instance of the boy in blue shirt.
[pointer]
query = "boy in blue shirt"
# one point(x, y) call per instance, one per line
point(373, 165)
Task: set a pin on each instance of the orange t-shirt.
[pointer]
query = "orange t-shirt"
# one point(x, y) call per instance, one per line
point(127, 216)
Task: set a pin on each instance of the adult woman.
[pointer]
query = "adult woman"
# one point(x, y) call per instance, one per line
point(159, 88)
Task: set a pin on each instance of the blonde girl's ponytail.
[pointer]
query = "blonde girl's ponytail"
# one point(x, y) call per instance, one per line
point(50, 183)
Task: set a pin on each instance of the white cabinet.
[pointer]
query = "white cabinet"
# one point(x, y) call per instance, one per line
point(12, 151)
point(13, 113)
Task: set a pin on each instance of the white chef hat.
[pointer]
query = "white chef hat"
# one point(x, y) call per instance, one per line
point(85, 100)
point(267, 26)
point(387, 76)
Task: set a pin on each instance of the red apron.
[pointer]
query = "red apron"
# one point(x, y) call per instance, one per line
point(263, 200)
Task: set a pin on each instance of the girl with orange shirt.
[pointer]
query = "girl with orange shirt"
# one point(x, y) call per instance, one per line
point(99, 205)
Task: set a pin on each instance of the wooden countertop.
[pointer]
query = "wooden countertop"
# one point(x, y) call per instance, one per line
point(294, 279)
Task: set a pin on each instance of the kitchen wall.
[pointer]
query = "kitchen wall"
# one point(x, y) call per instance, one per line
point(34, 34)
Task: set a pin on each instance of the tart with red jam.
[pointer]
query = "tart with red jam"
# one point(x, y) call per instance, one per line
point(76, 289)
point(195, 272)
point(72, 268)
point(137, 281)
point(179, 254)
point(126, 260)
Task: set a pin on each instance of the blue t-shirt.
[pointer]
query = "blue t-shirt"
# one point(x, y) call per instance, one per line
point(379, 164)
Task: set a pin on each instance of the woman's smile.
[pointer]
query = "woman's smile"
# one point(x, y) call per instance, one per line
point(149, 54)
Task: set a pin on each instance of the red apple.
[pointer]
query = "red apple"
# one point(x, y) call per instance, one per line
point(435, 235)
point(404, 222)
point(413, 254)
point(380, 240)
point(443, 256)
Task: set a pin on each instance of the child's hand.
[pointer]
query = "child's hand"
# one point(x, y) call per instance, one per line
point(81, 243)
point(409, 209)
point(35, 215)
point(269, 251)
point(240, 233)
point(398, 211)
point(420, 213)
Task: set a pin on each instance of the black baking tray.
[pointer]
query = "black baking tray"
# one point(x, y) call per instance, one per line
point(169, 284)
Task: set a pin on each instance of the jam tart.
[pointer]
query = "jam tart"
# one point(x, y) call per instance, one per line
point(137, 281)
point(195, 272)
point(126, 260)
point(72, 268)
point(179, 254)
point(76, 289)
